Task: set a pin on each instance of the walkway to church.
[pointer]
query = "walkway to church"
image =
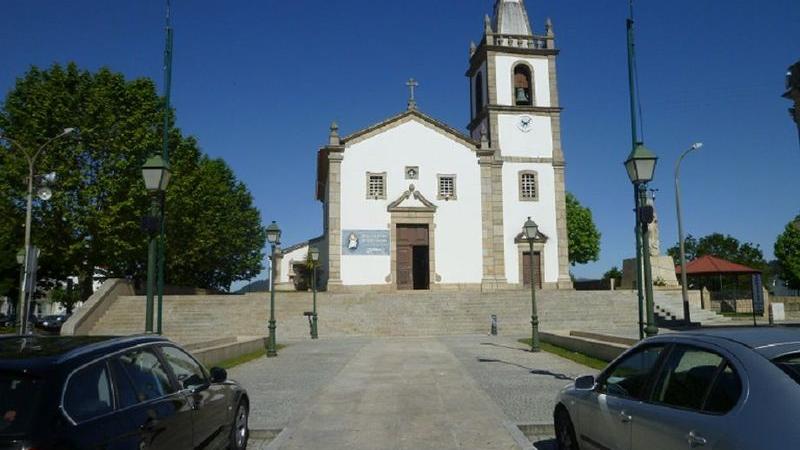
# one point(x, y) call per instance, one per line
point(403, 393)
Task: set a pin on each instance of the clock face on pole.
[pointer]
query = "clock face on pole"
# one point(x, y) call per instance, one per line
point(525, 123)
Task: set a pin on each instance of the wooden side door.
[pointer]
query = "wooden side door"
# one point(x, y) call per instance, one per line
point(537, 268)
point(405, 266)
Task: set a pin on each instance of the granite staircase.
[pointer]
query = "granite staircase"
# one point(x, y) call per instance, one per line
point(430, 313)
point(410, 313)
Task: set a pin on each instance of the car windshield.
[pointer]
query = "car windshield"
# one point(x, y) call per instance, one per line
point(19, 395)
point(790, 364)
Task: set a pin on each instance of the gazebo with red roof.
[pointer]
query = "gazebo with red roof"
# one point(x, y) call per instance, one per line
point(712, 267)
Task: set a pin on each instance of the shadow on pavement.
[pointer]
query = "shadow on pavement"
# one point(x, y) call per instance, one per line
point(545, 444)
point(558, 376)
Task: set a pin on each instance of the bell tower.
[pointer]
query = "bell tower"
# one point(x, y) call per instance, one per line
point(514, 109)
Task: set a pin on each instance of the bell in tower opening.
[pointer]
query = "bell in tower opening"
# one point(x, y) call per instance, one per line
point(522, 85)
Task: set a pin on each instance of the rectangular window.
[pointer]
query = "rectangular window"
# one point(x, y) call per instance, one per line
point(447, 187)
point(376, 185)
point(528, 186)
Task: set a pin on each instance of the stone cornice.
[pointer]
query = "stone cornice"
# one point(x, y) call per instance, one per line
point(405, 117)
point(548, 111)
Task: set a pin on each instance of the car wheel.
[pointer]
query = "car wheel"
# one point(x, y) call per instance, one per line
point(240, 432)
point(565, 432)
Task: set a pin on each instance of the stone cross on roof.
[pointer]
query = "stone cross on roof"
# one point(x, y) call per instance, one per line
point(412, 85)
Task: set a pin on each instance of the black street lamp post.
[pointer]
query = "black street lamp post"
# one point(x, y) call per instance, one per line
point(314, 252)
point(530, 230)
point(641, 166)
point(274, 239)
point(156, 176)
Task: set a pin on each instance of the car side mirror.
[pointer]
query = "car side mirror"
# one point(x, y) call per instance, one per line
point(585, 383)
point(218, 374)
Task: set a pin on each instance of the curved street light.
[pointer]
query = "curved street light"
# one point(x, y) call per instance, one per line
point(22, 307)
point(681, 241)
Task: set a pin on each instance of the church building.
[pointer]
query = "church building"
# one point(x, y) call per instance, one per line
point(412, 203)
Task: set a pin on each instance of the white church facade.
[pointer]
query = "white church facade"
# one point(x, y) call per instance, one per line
point(411, 203)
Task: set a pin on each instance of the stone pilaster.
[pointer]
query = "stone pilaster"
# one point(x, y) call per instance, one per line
point(334, 231)
point(494, 276)
point(564, 280)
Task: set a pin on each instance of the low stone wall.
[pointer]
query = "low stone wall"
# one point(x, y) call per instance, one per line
point(84, 318)
point(603, 350)
point(223, 351)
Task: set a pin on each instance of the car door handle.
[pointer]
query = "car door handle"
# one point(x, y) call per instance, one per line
point(624, 417)
point(695, 440)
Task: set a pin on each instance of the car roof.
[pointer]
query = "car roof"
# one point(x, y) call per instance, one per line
point(42, 352)
point(768, 341)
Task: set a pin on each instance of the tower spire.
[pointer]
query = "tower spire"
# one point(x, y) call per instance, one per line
point(511, 17)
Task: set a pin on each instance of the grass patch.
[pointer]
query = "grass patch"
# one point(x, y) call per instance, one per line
point(247, 357)
point(577, 357)
point(8, 330)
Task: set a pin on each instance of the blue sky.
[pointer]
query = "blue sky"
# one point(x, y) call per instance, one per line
point(259, 83)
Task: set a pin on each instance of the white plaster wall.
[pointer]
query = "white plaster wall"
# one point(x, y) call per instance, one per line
point(538, 142)
point(458, 222)
point(543, 212)
point(541, 78)
point(288, 260)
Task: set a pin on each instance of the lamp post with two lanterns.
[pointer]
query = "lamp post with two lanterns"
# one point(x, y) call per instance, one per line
point(274, 239)
point(22, 307)
point(156, 176)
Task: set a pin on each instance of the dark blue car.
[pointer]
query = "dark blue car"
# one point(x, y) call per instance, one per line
point(139, 392)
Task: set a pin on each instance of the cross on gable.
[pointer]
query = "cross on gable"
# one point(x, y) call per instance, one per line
point(412, 85)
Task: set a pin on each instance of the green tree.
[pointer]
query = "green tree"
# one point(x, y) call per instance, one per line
point(93, 220)
point(584, 238)
point(787, 251)
point(722, 246)
point(614, 272)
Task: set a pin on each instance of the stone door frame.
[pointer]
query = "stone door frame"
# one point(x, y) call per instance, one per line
point(413, 216)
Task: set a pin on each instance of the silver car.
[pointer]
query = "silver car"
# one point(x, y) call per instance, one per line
point(726, 388)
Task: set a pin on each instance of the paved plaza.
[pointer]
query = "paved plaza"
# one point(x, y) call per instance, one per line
point(471, 392)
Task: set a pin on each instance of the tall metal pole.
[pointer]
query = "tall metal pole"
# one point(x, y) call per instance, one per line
point(681, 240)
point(271, 345)
point(639, 275)
point(314, 333)
point(165, 156)
point(534, 313)
point(22, 311)
point(151, 268)
point(634, 141)
point(650, 329)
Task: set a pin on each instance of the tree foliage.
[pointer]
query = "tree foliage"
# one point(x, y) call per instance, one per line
point(613, 272)
point(584, 238)
point(787, 252)
point(214, 236)
point(725, 247)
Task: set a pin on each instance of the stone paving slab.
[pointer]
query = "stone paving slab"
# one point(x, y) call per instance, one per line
point(281, 387)
point(523, 384)
point(402, 394)
point(465, 392)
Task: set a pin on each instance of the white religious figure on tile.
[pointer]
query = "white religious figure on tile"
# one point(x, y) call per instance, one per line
point(352, 241)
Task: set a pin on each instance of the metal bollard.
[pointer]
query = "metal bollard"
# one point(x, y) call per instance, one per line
point(494, 325)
